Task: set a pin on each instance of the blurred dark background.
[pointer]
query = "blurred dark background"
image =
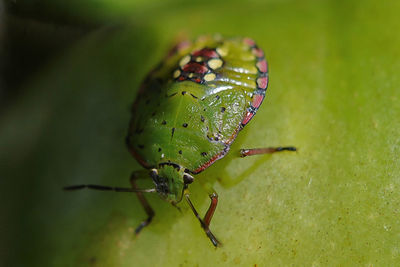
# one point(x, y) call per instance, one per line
point(32, 34)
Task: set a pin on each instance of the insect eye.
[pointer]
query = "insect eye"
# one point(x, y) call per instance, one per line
point(188, 179)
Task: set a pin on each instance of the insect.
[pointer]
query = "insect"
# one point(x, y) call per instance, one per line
point(188, 112)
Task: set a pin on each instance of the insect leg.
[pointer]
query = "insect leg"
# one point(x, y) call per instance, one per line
point(143, 201)
point(267, 150)
point(213, 205)
point(209, 214)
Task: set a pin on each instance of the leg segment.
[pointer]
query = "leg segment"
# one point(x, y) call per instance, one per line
point(210, 212)
point(143, 201)
point(267, 150)
point(207, 218)
point(134, 188)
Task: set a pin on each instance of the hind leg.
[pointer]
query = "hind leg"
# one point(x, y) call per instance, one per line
point(226, 179)
point(267, 150)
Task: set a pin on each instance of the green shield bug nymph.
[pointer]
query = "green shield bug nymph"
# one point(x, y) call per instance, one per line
point(188, 112)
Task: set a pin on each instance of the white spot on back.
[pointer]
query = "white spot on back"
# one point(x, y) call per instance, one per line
point(177, 73)
point(209, 77)
point(184, 61)
point(215, 63)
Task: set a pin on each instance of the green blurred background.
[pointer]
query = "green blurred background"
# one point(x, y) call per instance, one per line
point(70, 70)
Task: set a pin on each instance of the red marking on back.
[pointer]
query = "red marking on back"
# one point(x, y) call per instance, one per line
point(181, 78)
point(210, 162)
point(262, 82)
point(257, 100)
point(233, 136)
point(249, 41)
point(247, 118)
point(258, 52)
point(183, 45)
point(205, 52)
point(262, 65)
point(221, 154)
point(195, 67)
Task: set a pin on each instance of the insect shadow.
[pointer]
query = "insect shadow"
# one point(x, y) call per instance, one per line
point(227, 172)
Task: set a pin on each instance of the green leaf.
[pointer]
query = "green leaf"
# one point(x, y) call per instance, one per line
point(333, 94)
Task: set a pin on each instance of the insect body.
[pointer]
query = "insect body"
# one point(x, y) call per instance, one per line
point(188, 112)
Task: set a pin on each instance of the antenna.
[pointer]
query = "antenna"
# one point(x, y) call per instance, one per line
point(107, 188)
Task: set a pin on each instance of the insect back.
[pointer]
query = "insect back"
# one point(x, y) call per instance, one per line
point(192, 106)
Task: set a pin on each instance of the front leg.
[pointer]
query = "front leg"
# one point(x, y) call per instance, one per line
point(205, 223)
point(228, 180)
point(139, 192)
point(143, 201)
point(210, 212)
